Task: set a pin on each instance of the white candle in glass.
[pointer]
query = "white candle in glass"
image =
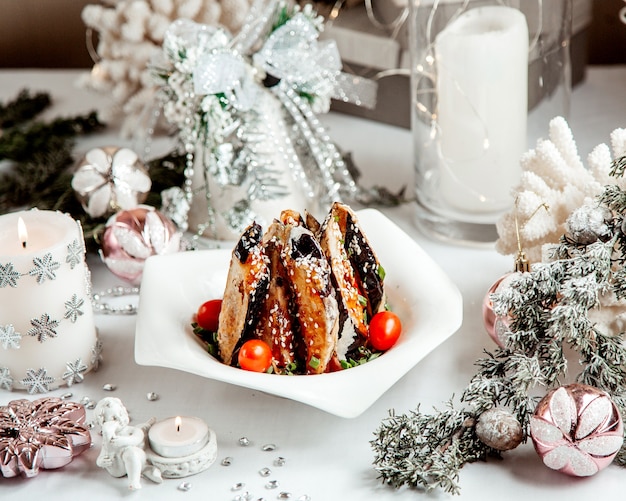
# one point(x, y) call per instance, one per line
point(482, 89)
point(47, 332)
point(178, 436)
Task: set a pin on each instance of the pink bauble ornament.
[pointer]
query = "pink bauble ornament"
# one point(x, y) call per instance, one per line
point(132, 236)
point(577, 430)
point(497, 326)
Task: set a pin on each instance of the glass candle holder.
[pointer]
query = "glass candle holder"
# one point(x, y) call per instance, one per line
point(486, 78)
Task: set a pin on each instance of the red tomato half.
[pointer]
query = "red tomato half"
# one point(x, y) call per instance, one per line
point(208, 315)
point(385, 329)
point(255, 355)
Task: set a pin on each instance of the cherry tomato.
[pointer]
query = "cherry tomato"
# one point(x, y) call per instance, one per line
point(208, 315)
point(385, 329)
point(255, 355)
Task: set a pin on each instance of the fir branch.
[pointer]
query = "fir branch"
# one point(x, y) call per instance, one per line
point(427, 451)
point(23, 108)
point(19, 143)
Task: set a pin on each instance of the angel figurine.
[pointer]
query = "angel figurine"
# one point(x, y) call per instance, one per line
point(123, 446)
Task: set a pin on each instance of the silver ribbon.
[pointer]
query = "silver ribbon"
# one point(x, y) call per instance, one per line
point(223, 72)
point(292, 53)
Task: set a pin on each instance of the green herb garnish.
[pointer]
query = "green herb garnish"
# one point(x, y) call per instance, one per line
point(381, 272)
point(314, 363)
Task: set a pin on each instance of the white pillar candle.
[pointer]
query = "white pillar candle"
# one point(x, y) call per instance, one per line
point(177, 437)
point(482, 68)
point(47, 332)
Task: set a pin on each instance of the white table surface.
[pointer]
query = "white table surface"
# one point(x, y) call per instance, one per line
point(329, 458)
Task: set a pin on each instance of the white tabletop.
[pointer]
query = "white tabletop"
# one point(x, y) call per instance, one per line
point(329, 458)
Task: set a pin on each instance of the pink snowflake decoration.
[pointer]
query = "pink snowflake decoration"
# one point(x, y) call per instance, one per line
point(577, 429)
point(45, 433)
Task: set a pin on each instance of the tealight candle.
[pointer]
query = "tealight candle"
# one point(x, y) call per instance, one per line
point(47, 332)
point(178, 436)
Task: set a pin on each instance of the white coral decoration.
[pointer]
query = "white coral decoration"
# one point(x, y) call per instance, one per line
point(554, 174)
point(130, 34)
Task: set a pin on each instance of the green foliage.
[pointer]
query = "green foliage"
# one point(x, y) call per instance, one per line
point(427, 451)
point(549, 310)
point(24, 107)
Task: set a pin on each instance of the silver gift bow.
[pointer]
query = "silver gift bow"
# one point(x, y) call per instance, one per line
point(225, 72)
point(216, 68)
point(292, 53)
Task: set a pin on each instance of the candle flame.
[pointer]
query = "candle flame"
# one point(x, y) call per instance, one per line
point(177, 422)
point(21, 231)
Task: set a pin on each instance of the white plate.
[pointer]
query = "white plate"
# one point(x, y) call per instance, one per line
point(428, 303)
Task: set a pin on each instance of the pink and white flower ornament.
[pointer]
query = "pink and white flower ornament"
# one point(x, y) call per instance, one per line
point(577, 429)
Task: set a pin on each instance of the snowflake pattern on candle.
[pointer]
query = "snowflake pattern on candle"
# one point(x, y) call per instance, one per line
point(8, 275)
point(73, 308)
point(9, 338)
point(45, 433)
point(45, 268)
point(37, 381)
point(74, 254)
point(43, 327)
point(75, 372)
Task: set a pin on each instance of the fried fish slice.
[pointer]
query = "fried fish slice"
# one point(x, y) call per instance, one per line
point(369, 272)
point(355, 268)
point(246, 287)
point(276, 325)
point(352, 303)
point(314, 298)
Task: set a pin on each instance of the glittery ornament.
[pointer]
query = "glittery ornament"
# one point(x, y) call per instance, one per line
point(497, 326)
point(577, 429)
point(132, 236)
point(588, 224)
point(110, 179)
point(499, 429)
point(45, 433)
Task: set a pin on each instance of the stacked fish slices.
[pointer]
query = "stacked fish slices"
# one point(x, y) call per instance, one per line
point(300, 287)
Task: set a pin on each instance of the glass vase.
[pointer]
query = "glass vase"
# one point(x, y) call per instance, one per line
point(486, 78)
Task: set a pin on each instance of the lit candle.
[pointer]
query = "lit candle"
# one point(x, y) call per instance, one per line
point(482, 73)
point(178, 437)
point(47, 332)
